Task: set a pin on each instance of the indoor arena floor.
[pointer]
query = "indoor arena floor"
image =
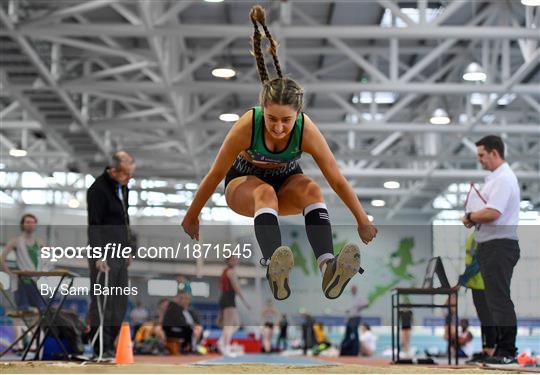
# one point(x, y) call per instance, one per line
point(246, 364)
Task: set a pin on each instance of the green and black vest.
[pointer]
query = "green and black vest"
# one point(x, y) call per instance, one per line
point(258, 150)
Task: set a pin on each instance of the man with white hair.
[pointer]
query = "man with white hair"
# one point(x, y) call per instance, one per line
point(108, 222)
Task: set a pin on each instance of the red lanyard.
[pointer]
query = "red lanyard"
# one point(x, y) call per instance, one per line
point(477, 192)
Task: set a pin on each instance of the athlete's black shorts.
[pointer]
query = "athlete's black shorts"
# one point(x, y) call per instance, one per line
point(227, 299)
point(274, 177)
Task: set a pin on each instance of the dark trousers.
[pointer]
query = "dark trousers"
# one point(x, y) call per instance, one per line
point(307, 336)
point(27, 295)
point(489, 332)
point(281, 343)
point(115, 308)
point(350, 345)
point(184, 334)
point(351, 331)
point(497, 259)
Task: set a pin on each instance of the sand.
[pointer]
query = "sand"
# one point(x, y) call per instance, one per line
point(142, 368)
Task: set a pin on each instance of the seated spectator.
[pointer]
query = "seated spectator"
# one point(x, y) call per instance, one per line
point(368, 341)
point(321, 341)
point(465, 338)
point(150, 339)
point(150, 330)
point(181, 325)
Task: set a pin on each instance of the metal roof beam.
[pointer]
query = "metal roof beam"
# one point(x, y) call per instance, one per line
point(375, 127)
point(210, 87)
point(52, 135)
point(164, 63)
point(296, 32)
point(46, 75)
point(68, 12)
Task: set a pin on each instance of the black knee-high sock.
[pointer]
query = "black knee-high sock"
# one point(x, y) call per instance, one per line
point(267, 231)
point(319, 231)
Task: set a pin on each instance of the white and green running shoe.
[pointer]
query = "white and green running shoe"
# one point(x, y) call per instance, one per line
point(277, 273)
point(340, 270)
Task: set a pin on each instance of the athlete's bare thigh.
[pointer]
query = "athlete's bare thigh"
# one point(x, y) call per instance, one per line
point(294, 195)
point(239, 194)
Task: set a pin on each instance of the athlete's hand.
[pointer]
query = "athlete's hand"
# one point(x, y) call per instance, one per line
point(367, 232)
point(191, 227)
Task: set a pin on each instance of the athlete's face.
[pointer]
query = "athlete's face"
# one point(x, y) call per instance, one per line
point(279, 120)
point(29, 225)
point(232, 261)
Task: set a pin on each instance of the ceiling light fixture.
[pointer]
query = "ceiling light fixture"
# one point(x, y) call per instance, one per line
point(18, 152)
point(73, 203)
point(229, 117)
point(531, 3)
point(439, 117)
point(223, 72)
point(378, 203)
point(474, 73)
point(391, 185)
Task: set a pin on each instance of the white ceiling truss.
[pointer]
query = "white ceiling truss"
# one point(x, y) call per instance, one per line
point(80, 79)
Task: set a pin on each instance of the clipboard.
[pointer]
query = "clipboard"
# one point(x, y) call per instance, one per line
point(474, 200)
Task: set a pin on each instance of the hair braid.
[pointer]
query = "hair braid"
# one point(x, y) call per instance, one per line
point(272, 49)
point(281, 90)
point(257, 13)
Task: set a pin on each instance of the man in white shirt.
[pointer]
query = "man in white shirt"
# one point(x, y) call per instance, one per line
point(498, 248)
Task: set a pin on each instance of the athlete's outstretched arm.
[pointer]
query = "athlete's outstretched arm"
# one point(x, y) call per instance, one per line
point(237, 140)
point(313, 143)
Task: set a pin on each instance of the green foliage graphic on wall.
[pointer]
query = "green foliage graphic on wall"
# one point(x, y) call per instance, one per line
point(300, 260)
point(399, 266)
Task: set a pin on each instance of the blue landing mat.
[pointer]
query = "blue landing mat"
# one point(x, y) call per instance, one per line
point(268, 359)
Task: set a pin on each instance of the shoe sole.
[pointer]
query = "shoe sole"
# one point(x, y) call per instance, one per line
point(347, 265)
point(281, 263)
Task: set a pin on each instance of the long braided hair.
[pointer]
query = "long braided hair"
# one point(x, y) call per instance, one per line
point(281, 90)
